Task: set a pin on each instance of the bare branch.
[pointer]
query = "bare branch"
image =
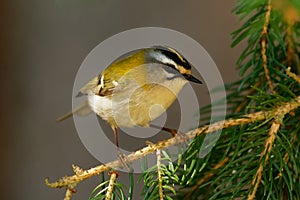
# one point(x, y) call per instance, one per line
point(151, 148)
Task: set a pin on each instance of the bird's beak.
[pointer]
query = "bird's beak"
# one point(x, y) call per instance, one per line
point(192, 79)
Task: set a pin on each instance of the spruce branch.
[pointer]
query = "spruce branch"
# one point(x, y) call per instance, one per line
point(276, 114)
point(77, 170)
point(70, 191)
point(264, 34)
point(159, 176)
point(109, 189)
point(292, 75)
point(113, 176)
point(265, 155)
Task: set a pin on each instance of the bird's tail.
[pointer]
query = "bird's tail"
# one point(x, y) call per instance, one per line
point(82, 110)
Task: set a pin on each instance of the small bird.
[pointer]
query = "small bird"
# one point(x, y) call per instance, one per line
point(136, 88)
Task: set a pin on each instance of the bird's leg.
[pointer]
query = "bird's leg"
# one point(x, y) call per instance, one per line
point(173, 132)
point(116, 137)
point(121, 156)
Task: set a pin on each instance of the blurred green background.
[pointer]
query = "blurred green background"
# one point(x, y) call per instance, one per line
point(43, 44)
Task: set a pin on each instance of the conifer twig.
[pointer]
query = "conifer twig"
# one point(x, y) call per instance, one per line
point(68, 194)
point(292, 75)
point(113, 176)
point(151, 148)
point(264, 44)
point(159, 177)
point(265, 156)
point(70, 191)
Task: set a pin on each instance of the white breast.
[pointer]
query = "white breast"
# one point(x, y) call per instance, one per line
point(114, 109)
point(102, 106)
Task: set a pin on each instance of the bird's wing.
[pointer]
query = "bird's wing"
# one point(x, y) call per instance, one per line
point(114, 78)
point(99, 86)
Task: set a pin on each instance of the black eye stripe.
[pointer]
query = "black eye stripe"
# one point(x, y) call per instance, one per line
point(171, 65)
point(173, 56)
point(172, 70)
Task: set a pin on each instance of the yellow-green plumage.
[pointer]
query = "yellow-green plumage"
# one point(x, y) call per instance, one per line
point(137, 88)
point(126, 66)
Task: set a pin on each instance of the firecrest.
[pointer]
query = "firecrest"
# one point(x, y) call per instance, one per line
point(136, 88)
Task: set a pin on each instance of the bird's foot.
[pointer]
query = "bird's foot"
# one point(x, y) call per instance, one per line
point(124, 160)
point(183, 137)
point(174, 133)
